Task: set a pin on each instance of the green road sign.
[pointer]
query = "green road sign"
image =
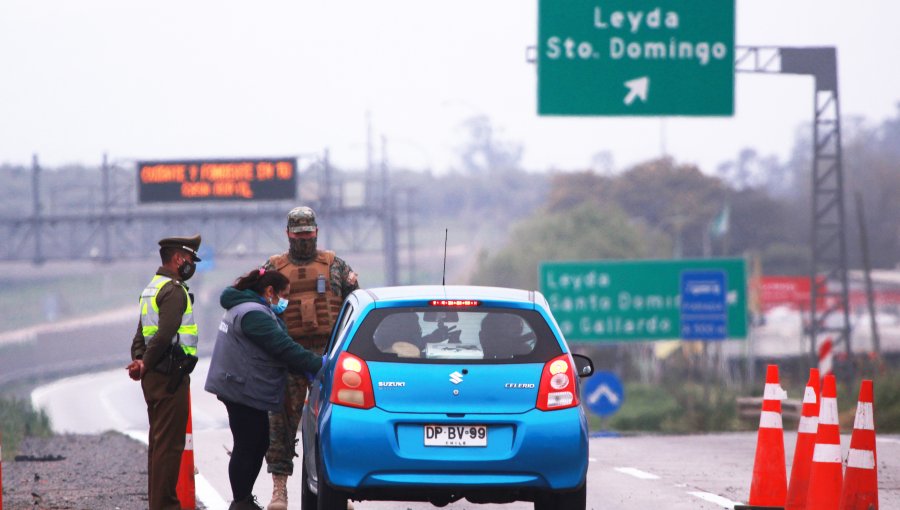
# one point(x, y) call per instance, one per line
point(621, 57)
point(634, 300)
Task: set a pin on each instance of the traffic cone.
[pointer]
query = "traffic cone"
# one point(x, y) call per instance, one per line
point(860, 491)
point(768, 490)
point(826, 476)
point(806, 443)
point(185, 488)
point(826, 356)
point(1, 471)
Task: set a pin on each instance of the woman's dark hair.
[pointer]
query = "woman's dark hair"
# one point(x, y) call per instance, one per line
point(258, 279)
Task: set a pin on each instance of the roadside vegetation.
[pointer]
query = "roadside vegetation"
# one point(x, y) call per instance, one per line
point(17, 421)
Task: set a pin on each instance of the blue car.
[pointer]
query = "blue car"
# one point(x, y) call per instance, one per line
point(437, 393)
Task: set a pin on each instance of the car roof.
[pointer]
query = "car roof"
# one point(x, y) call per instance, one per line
point(407, 294)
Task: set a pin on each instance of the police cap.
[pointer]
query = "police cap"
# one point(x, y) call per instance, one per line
point(301, 219)
point(188, 244)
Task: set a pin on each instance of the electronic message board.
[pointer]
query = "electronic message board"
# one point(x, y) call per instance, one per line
point(220, 179)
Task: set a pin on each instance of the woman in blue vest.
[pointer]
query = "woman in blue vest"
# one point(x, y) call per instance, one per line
point(249, 365)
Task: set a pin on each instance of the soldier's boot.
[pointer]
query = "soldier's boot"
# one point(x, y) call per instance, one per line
point(279, 493)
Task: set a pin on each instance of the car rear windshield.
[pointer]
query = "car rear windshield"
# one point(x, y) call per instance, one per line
point(488, 335)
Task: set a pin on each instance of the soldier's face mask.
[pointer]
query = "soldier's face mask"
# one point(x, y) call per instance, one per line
point(303, 248)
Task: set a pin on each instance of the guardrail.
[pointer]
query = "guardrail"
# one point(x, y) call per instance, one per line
point(750, 407)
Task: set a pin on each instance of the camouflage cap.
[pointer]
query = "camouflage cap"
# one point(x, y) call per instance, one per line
point(301, 219)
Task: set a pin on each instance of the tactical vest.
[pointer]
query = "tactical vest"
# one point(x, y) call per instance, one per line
point(187, 333)
point(313, 306)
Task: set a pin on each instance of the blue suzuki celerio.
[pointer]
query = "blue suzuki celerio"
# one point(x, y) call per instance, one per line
point(437, 393)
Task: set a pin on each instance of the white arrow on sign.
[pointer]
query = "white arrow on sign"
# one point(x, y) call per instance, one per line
point(603, 391)
point(637, 88)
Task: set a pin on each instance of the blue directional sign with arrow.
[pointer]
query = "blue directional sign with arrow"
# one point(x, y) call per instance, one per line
point(603, 393)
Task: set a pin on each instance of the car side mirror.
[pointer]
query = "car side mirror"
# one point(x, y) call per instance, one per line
point(584, 367)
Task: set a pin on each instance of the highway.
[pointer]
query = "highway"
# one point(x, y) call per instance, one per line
point(626, 473)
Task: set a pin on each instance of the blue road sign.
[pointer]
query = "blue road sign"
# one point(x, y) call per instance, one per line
point(603, 393)
point(704, 306)
point(207, 259)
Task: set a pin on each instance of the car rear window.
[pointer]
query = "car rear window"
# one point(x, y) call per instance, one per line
point(488, 335)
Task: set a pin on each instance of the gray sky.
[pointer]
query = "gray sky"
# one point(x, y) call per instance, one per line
point(203, 78)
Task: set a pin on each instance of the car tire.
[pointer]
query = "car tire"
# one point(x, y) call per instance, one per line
point(575, 500)
point(329, 498)
point(308, 500)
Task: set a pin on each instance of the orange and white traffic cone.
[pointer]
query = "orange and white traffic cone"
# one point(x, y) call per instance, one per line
point(768, 490)
point(185, 488)
point(826, 356)
point(860, 491)
point(826, 475)
point(806, 444)
point(1, 471)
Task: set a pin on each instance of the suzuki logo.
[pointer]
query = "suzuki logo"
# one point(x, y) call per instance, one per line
point(456, 378)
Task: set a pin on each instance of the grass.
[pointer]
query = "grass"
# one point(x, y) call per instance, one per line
point(17, 421)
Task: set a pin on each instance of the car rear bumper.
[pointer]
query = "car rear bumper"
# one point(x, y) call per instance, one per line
point(373, 449)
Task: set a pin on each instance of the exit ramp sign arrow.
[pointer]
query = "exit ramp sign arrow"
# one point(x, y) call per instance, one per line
point(588, 48)
point(637, 88)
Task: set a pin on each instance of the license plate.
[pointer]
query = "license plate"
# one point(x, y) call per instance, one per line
point(455, 435)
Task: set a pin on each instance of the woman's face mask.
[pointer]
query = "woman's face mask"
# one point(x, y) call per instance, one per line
point(279, 306)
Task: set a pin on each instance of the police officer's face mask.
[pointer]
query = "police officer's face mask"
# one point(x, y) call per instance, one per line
point(187, 268)
point(303, 248)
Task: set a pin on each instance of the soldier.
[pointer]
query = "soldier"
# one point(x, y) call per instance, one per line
point(166, 336)
point(320, 282)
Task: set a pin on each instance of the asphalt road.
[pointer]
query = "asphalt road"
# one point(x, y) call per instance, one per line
point(626, 473)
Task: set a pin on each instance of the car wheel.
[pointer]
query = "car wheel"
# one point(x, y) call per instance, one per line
point(308, 500)
point(329, 498)
point(576, 500)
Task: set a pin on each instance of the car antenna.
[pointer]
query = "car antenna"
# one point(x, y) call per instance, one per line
point(444, 275)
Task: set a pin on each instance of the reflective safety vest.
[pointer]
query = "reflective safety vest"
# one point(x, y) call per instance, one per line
point(187, 333)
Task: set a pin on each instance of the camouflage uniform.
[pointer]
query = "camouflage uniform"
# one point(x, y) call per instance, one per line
point(283, 426)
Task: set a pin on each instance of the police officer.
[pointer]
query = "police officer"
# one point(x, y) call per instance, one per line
point(166, 326)
point(320, 281)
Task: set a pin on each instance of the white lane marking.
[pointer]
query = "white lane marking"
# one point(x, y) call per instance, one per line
point(591, 459)
point(203, 490)
point(637, 473)
point(887, 440)
point(715, 498)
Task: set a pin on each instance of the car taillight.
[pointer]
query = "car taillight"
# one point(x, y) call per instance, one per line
point(352, 384)
point(557, 390)
point(454, 302)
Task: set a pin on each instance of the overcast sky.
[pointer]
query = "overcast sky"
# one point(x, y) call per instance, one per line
point(203, 78)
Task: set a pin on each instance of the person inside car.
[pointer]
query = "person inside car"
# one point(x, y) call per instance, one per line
point(501, 336)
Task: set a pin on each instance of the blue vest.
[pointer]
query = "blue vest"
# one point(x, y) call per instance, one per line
point(242, 372)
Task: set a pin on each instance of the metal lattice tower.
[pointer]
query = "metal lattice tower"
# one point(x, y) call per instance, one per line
point(828, 271)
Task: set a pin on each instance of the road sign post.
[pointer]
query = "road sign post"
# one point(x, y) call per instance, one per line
point(619, 57)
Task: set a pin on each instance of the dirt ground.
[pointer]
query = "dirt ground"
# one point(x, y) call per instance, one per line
point(77, 472)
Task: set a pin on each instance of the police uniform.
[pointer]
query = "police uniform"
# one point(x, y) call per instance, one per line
point(320, 281)
point(166, 317)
